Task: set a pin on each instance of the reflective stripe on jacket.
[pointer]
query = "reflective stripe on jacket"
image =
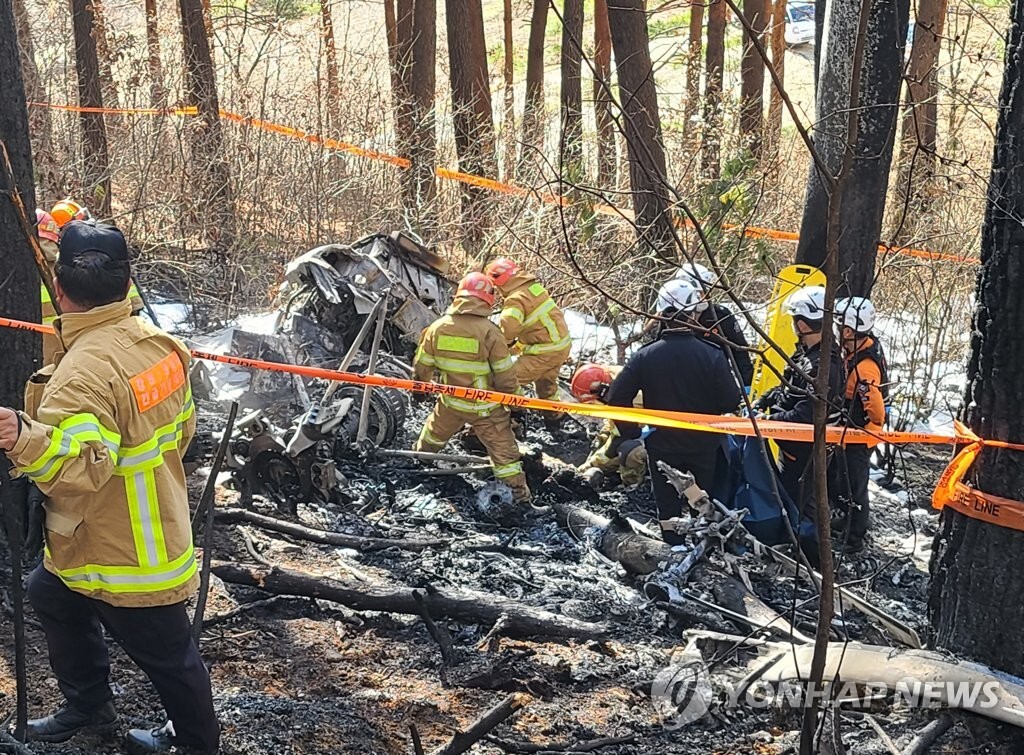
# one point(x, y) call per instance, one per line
point(531, 317)
point(102, 437)
point(466, 349)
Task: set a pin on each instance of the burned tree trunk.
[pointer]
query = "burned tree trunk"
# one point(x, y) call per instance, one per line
point(976, 589)
point(157, 92)
point(920, 120)
point(714, 67)
point(863, 201)
point(639, 98)
point(773, 126)
point(401, 76)
point(533, 112)
point(423, 85)
point(472, 114)
point(607, 159)
point(570, 142)
point(216, 203)
point(333, 92)
point(39, 117)
point(508, 117)
point(752, 88)
point(103, 54)
point(694, 57)
point(391, 34)
point(96, 173)
point(19, 297)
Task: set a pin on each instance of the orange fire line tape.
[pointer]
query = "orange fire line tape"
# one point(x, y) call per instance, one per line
point(678, 420)
point(490, 184)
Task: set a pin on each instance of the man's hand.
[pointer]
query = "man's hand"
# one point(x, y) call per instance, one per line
point(10, 428)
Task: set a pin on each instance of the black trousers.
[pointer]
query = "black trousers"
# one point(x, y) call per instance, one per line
point(795, 475)
point(158, 639)
point(701, 464)
point(854, 473)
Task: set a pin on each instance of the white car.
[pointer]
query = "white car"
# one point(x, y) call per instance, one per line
point(799, 23)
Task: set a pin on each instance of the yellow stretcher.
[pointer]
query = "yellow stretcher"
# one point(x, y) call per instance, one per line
point(769, 363)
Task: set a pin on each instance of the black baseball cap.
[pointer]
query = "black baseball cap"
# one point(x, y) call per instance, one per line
point(80, 237)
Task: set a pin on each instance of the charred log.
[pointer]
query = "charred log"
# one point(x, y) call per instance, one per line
point(458, 605)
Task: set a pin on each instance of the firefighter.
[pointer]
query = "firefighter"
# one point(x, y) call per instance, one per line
point(721, 325)
point(609, 452)
point(466, 349)
point(533, 325)
point(865, 397)
point(678, 372)
point(49, 236)
point(64, 212)
point(102, 436)
point(793, 400)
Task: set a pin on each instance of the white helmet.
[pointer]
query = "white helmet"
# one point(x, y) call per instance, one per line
point(856, 313)
point(808, 303)
point(701, 276)
point(683, 295)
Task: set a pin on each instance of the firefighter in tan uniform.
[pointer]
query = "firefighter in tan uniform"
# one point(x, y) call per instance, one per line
point(102, 436)
point(533, 325)
point(466, 349)
point(609, 452)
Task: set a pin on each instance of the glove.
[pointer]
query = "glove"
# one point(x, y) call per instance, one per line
point(33, 523)
point(29, 501)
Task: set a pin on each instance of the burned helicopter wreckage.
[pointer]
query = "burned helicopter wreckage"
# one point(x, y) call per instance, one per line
point(359, 308)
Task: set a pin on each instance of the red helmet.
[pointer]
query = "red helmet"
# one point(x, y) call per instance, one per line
point(478, 285)
point(500, 270)
point(46, 226)
point(590, 382)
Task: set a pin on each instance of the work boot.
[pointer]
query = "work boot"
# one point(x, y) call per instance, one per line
point(146, 741)
point(69, 721)
point(520, 491)
point(853, 546)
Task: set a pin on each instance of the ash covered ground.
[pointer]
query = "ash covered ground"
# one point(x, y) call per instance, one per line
point(298, 675)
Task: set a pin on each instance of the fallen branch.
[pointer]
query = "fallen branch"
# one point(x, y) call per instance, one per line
point(235, 516)
point(492, 639)
point(417, 745)
point(886, 739)
point(460, 605)
point(487, 723)
point(427, 456)
point(591, 745)
point(929, 735)
point(439, 635)
point(220, 618)
point(250, 546)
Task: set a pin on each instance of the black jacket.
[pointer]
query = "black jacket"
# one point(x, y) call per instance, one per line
point(794, 404)
point(679, 372)
point(726, 332)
